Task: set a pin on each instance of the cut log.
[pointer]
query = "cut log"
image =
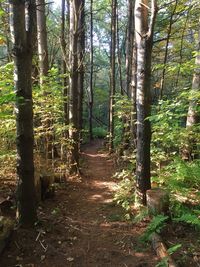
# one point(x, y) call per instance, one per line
point(6, 228)
point(157, 201)
point(161, 250)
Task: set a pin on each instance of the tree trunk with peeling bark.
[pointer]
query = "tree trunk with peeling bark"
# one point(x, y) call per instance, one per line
point(23, 31)
point(144, 42)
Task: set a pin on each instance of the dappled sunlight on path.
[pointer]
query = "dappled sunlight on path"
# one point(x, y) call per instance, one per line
point(82, 226)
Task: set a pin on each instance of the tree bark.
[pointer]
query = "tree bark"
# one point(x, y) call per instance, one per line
point(144, 42)
point(64, 63)
point(129, 46)
point(44, 68)
point(112, 75)
point(119, 54)
point(23, 37)
point(91, 72)
point(75, 6)
point(166, 50)
point(193, 116)
point(42, 40)
point(133, 125)
point(81, 73)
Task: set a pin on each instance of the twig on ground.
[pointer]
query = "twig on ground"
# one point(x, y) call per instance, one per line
point(45, 248)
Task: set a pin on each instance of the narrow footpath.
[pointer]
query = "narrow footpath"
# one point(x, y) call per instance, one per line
point(81, 226)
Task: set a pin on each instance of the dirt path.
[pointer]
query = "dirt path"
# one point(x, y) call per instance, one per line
point(81, 227)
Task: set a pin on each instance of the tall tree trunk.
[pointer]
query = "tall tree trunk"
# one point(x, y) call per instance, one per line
point(166, 50)
point(91, 71)
point(119, 53)
point(129, 128)
point(44, 68)
point(193, 116)
point(181, 46)
point(133, 84)
point(42, 40)
point(129, 46)
point(81, 52)
point(64, 63)
point(144, 42)
point(23, 37)
point(73, 84)
point(112, 74)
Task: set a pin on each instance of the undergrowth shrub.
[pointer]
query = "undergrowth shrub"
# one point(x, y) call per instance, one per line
point(156, 225)
point(125, 192)
point(99, 132)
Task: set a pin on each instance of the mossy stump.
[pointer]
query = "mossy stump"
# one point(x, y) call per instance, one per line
point(157, 201)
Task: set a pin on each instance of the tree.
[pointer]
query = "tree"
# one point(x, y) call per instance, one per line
point(129, 46)
point(144, 42)
point(166, 49)
point(91, 71)
point(75, 7)
point(81, 68)
point(23, 28)
point(193, 115)
point(112, 74)
point(64, 61)
point(42, 40)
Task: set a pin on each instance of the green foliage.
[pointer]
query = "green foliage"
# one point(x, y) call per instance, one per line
point(124, 194)
point(142, 214)
point(7, 99)
point(157, 224)
point(181, 213)
point(174, 248)
point(171, 250)
point(163, 263)
point(99, 132)
point(123, 109)
point(180, 176)
point(189, 218)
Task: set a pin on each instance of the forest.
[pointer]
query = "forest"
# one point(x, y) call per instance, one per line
point(99, 133)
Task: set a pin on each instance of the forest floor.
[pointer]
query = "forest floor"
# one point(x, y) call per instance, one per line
point(82, 226)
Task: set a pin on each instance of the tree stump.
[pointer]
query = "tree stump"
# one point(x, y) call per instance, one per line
point(157, 201)
point(6, 228)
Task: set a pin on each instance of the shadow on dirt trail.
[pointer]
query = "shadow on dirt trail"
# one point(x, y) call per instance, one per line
point(81, 226)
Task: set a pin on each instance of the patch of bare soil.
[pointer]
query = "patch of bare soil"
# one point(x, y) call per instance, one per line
point(81, 226)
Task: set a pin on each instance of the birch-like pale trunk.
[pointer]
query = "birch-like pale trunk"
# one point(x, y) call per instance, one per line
point(144, 41)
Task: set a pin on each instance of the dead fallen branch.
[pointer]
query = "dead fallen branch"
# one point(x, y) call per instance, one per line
point(161, 250)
